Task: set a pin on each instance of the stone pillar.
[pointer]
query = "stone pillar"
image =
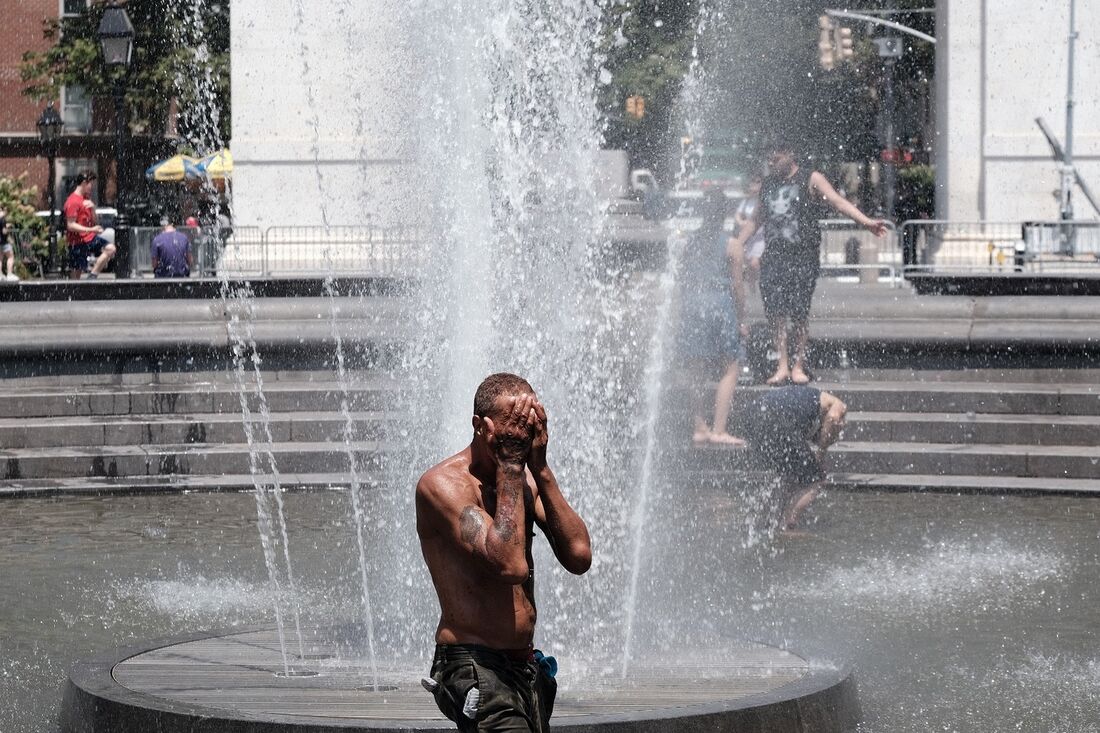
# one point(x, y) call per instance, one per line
point(960, 106)
point(999, 65)
point(320, 93)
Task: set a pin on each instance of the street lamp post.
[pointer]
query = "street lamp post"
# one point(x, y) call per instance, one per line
point(889, 50)
point(116, 40)
point(50, 126)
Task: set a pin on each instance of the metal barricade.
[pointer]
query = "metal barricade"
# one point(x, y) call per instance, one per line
point(936, 246)
point(1061, 244)
point(848, 250)
point(22, 244)
point(235, 252)
point(341, 250)
point(205, 246)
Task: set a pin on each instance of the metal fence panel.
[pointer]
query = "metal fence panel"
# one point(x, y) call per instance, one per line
point(22, 242)
point(342, 250)
point(238, 252)
point(848, 249)
point(1000, 246)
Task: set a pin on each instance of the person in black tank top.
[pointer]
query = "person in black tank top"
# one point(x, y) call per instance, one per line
point(790, 206)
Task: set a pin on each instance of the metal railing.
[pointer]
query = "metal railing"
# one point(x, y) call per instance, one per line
point(359, 250)
point(936, 246)
point(22, 244)
point(205, 249)
point(848, 250)
point(291, 250)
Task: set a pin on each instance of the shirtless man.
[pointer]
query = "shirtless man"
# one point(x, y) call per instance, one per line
point(475, 513)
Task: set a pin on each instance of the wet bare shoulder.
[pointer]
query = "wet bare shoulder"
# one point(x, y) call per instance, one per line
point(445, 484)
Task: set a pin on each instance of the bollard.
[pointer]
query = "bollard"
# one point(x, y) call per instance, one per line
point(868, 255)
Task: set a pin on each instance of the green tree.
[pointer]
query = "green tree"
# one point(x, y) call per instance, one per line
point(181, 52)
point(17, 201)
point(647, 47)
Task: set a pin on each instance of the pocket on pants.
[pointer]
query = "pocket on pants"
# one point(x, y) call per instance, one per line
point(453, 691)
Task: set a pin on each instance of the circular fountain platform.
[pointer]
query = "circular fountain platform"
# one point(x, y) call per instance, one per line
point(237, 682)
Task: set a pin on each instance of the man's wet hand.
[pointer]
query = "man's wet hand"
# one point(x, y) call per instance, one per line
point(511, 434)
point(536, 461)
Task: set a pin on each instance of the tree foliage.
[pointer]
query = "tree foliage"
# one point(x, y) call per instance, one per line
point(761, 75)
point(17, 200)
point(181, 52)
point(647, 47)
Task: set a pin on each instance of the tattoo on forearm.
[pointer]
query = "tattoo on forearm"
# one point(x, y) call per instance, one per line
point(506, 529)
point(470, 524)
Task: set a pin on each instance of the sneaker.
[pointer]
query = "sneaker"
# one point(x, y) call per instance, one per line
point(92, 276)
point(12, 277)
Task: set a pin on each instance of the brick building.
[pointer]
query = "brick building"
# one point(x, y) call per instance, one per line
point(21, 31)
point(88, 140)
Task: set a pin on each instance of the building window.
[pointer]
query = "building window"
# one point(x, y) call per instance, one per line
point(76, 109)
point(73, 7)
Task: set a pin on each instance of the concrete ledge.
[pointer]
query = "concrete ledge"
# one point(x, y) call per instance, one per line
point(197, 288)
point(1005, 284)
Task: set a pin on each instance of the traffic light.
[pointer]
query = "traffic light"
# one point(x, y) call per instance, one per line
point(826, 52)
point(844, 48)
point(635, 106)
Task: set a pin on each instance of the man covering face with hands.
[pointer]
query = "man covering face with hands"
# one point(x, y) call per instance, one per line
point(475, 513)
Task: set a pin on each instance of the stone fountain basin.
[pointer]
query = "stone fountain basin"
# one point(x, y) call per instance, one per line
point(236, 681)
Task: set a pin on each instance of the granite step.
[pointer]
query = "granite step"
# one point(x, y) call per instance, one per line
point(963, 397)
point(75, 486)
point(902, 458)
point(965, 484)
point(949, 427)
point(186, 459)
point(976, 459)
point(216, 398)
point(197, 429)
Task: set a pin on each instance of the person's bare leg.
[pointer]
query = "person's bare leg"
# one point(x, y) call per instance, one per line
point(779, 341)
point(723, 398)
point(103, 259)
point(802, 498)
point(700, 431)
point(752, 275)
point(801, 336)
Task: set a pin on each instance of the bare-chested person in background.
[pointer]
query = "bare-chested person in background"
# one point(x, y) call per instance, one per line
point(475, 513)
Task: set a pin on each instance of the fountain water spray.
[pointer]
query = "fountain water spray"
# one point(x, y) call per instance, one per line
point(656, 363)
point(238, 300)
point(349, 430)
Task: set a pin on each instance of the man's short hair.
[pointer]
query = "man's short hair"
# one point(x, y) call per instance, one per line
point(784, 143)
point(495, 385)
point(165, 221)
point(85, 176)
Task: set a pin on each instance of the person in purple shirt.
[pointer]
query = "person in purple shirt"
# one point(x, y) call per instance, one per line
point(171, 252)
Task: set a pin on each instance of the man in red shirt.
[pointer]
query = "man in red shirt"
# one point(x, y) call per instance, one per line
point(82, 232)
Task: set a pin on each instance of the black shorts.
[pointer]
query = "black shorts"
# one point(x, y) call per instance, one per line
point(79, 253)
point(786, 287)
point(483, 689)
point(788, 418)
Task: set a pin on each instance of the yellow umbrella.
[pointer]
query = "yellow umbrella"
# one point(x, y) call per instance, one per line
point(176, 168)
point(217, 165)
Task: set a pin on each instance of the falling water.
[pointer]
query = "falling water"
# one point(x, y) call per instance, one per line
point(655, 369)
point(508, 133)
point(359, 516)
point(238, 299)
